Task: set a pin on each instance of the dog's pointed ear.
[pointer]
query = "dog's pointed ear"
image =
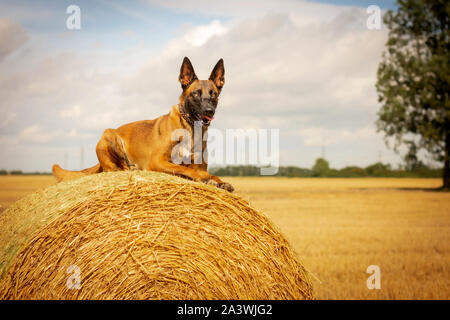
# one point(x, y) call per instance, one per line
point(218, 75)
point(187, 73)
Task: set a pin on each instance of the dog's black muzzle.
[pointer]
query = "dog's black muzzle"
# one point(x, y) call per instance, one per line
point(207, 114)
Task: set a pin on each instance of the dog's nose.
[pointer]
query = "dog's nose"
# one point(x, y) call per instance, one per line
point(209, 112)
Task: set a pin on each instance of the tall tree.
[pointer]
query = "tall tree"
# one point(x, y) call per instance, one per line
point(320, 168)
point(414, 79)
point(412, 161)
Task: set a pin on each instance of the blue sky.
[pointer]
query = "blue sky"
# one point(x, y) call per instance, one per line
point(305, 67)
point(385, 4)
point(138, 21)
point(103, 19)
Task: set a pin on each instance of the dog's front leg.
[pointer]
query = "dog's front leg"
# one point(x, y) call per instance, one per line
point(190, 173)
point(175, 169)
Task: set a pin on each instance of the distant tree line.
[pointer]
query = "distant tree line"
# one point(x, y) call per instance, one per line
point(321, 168)
point(20, 172)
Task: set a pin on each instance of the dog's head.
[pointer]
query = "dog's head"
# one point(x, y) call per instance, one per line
point(200, 97)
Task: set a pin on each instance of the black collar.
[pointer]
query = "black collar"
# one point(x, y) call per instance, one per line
point(185, 115)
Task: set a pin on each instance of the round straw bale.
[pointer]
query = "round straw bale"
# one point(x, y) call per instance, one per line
point(143, 235)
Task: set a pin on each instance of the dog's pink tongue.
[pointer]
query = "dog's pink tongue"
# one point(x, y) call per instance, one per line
point(208, 118)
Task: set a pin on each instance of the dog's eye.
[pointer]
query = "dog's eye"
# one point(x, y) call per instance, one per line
point(212, 94)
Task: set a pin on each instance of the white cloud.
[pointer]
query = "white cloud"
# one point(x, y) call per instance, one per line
point(317, 136)
point(198, 36)
point(12, 36)
point(35, 133)
point(73, 112)
point(6, 118)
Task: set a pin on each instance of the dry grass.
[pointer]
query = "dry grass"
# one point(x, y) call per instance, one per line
point(13, 188)
point(144, 235)
point(340, 226)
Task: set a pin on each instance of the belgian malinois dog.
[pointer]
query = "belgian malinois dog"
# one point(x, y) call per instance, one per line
point(148, 144)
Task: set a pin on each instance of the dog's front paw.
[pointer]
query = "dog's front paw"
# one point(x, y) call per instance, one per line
point(221, 185)
point(133, 167)
point(212, 182)
point(226, 186)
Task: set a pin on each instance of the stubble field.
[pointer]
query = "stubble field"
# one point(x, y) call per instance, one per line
point(339, 227)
